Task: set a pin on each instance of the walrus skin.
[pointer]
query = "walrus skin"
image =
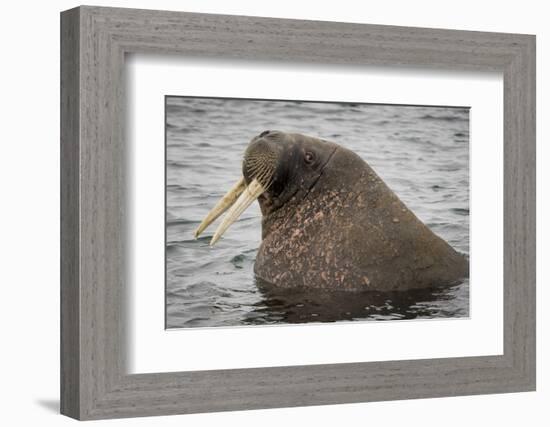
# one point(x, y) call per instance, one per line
point(329, 222)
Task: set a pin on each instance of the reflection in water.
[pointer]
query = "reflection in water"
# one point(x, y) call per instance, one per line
point(294, 306)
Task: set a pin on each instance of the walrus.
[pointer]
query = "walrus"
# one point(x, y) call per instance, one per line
point(329, 221)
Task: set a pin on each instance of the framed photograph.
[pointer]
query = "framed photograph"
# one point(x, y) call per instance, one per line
point(343, 212)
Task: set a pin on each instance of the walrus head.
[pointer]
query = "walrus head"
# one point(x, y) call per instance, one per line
point(277, 167)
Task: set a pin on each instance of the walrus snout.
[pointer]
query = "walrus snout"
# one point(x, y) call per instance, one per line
point(259, 164)
point(261, 158)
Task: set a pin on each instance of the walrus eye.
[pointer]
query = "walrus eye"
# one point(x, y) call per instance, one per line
point(309, 157)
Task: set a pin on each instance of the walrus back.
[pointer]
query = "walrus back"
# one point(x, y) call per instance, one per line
point(352, 232)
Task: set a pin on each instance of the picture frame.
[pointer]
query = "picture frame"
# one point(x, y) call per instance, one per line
point(94, 380)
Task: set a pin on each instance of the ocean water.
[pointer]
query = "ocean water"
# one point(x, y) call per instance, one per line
point(421, 152)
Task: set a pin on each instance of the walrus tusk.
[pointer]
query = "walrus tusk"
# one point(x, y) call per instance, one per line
point(223, 204)
point(250, 193)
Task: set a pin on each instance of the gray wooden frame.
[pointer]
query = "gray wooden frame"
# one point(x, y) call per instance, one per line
point(94, 41)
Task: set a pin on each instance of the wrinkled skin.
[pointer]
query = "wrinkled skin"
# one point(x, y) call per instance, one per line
point(332, 223)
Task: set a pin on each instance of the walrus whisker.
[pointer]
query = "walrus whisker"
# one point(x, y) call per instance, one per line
point(263, 177)
point(223, 204)
point(256, 164)
point(253, 169)
point(259, 169)
point(250, 193)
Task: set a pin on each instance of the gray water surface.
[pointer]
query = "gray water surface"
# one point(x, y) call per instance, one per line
point(422, 153)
